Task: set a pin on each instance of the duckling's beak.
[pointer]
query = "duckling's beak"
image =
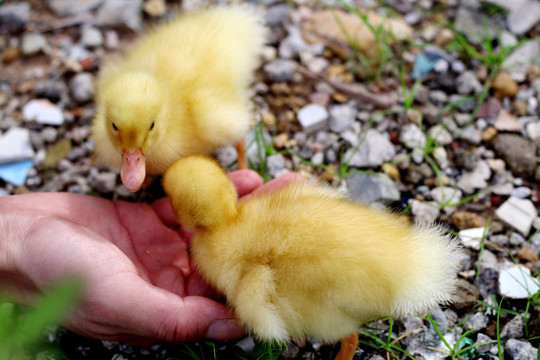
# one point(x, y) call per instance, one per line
point(133, 169)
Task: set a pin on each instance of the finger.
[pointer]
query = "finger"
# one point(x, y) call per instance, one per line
point(163, 209)
point(275, 184)
point(245, 181)
point(154, 313)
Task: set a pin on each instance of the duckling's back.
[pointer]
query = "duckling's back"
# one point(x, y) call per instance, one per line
point(320, 265)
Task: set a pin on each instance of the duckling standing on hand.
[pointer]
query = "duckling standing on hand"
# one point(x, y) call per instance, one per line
point(305, 262)
point(182, 89)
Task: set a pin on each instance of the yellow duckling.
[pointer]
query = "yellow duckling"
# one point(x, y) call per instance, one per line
point(305, 262)
point(181, 89)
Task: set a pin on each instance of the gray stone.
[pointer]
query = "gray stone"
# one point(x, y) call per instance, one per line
point(446, 196)
point(475, 24)
point(91, 36)
point(467, 83)
point(465, 296)
point(14, 16)
point(470, 134)
point(516, 239)
point(103, 182)
point(520, 59)
point(521, 192)
point(469, 181)
point(82, 87)
point(441, 157)
point(373, 151)
point(277, 14)
point(275, 164)
point(294, 44)
point(412, 137)
point(513, 329)
point(438, 97)
point(367, 188)
point(524, 17)
point(520, 350)
point(485, 340)
point(472, 238)
point(120, 13)
point(519, 153)
point(73, 7)
point(440, 134)
point(49, 134)
point(312, 117)
point(518, 214)
point(280, 70)
point(476, 322)
point(341, 117)
point(33, 43)
point(425, 212)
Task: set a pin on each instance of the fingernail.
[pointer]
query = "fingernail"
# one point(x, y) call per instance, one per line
point(224, 329)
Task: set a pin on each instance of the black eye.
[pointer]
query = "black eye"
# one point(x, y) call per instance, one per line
point(114, 127)
point(152, 126)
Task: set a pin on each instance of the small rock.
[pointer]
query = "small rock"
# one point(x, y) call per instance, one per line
point(521, 192)
point(73, 7)
point(470, 134)
point(445, 197)
point(412, 137)
point(390, 170)
point(527, 254)
point(441, 157)
point(518, 214)
point(277, 14)
point(112, 40)
point(275, 164)
point(533, 131)
point(91, 36)
point(471, 238)
point(366, 188)
point(280, 70)
point(507, 122)
point(466, 220)
point(475, 24)
point(519, 153)
point(120, 13)
point(341, 117)
point(471, 180)
point(15, 146)
point(103, 182)
point(43, 112)
point(155, 8)
point(14, 16)
point(489, 108)
point(476, 322)
point(425, 213)
point(465, 296)
point(33, 43)
point(520, 350)
point(467, 83)
point(440, 134)
point(524, 17)
point(82, 87)
point(520, 59)
point(516, 282)
point(312, 117)
point(375, 150)
point(485, 340)
point(504, 85)
point(496, 165)
point(516, 239)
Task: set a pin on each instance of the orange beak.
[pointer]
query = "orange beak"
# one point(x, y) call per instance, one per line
point(133, 169)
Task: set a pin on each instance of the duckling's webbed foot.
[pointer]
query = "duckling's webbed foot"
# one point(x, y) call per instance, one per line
point(348, 347)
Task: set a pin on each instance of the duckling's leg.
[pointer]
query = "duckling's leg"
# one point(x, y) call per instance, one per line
point(241, 151)
point(348, 347)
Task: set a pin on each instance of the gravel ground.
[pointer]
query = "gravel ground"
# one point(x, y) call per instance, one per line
point(444, 126)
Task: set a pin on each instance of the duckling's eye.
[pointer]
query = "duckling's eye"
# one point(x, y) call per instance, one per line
point(114, 127)
point(152, 126)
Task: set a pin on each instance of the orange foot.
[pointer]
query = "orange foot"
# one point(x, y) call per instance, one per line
point(241, 151)
point(348, 347)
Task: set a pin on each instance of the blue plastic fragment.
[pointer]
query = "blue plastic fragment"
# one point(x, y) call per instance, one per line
point(423, 65)
point(16, 173)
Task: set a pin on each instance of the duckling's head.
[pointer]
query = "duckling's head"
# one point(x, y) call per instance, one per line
point(132, 106)
point(202, 196)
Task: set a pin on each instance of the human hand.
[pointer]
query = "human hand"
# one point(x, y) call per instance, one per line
point(139, 286)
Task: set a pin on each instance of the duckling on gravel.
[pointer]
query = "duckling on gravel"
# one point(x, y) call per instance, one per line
point(303, 261)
